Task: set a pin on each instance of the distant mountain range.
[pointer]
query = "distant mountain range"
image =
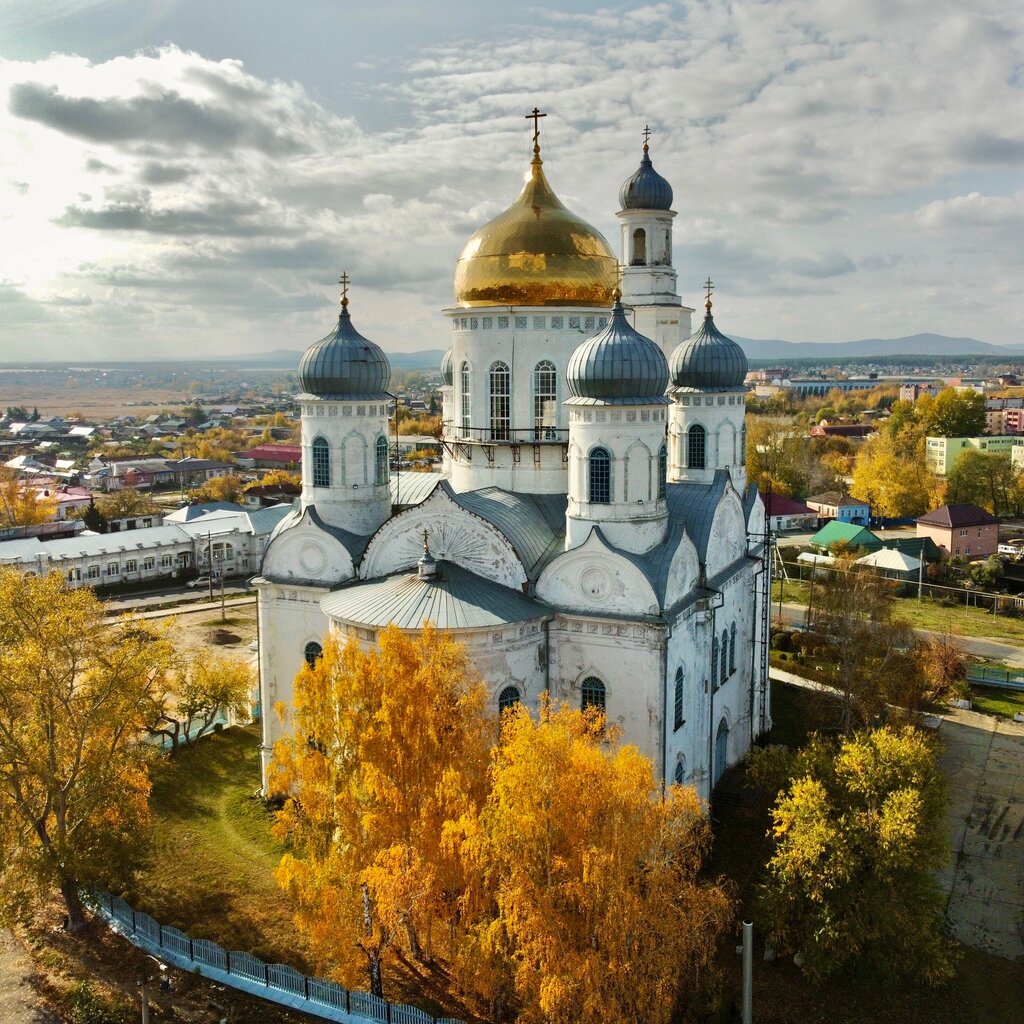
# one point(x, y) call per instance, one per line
point(934, 345)
point(911, 345)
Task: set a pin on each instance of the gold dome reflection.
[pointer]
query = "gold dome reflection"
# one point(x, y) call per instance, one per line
point(536, 253)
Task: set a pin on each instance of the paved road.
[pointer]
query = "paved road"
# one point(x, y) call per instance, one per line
point(19, 1003)
point(178, 595)
point(989, 648)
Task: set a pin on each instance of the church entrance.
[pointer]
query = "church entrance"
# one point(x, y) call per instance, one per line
point(721, 750)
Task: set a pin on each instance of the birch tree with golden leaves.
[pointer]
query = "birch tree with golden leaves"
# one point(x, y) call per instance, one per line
point(597, 904)
point(73, 780)
point(385, 764)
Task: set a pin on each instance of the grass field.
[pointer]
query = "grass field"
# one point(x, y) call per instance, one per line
point(994, 701)
point(928, 614)
point(210, 871)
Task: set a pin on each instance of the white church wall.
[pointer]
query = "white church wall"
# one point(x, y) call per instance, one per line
point(305, 552)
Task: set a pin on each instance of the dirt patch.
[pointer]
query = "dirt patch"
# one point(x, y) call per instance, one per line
point(224, 637)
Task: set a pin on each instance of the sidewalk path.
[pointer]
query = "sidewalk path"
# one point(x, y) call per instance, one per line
point(19, 1003)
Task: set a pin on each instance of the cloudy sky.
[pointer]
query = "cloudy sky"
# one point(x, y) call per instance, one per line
point(189, 178)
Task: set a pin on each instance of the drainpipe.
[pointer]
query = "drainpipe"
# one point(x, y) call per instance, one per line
point(711, 699)
point(664, 709)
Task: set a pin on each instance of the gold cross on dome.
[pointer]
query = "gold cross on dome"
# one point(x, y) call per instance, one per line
point(344, 281)
point(709, 288)
point(535, 116)
point(426, 542)
point(647, 135)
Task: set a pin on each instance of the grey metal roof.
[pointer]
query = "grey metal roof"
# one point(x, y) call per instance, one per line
point(533, 523)
point(452, 599)
point(344, 365)
point(448, 366)
point(645, 189)
point(708, 359)
point(412, 488)
point(618, 366)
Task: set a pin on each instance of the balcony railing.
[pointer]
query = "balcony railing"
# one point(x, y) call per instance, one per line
point(504, 435)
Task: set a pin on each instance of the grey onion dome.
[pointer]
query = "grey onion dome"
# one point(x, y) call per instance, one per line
point(646, 189)
point(344, 364)
point(448, 367)
point(617, 366)
point(708, 359)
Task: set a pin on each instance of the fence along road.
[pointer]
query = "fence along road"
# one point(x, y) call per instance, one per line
point(277, 982)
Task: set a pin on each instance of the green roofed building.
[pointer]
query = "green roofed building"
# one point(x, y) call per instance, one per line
point(836, 532)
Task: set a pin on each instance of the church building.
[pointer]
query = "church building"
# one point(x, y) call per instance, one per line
point(592, 533)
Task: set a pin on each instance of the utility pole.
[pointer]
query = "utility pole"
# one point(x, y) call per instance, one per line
point(209, 561)
point(223, 613)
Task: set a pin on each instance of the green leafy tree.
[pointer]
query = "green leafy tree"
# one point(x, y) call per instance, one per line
point(988, 480)
point(126, 503)
point(859, 833)
point(955, 413)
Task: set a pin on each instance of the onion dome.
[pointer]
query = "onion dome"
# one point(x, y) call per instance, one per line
point(708, 359)
point(646, 189)
point(344, 364)
point(536, 253)
point(618, 366)
point(448, 367)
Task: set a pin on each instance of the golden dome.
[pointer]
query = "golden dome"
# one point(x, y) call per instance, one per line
point(536, 253)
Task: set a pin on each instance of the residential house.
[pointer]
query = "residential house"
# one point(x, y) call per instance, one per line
point(787, 514)
point(961, 530)
point(850, 534)
point(840, 506)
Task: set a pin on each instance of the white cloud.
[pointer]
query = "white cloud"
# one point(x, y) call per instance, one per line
point(816, 149)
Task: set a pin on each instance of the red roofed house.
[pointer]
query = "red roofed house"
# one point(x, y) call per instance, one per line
point(961, 530)
point(787, 514)
point(271, 456)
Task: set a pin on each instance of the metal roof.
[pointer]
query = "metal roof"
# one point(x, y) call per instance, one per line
point(708, 359)
point(957, 514)
point(452, 599)
point(892, 560)
point(448, 366)
point(413, 488)
point(645, 189)
point(344, 365)
point(617, 366)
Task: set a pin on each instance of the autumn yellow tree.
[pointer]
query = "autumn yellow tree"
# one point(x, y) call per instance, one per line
point(388, 756)
point(229, 487)
point(125, 503)
point(598, 909)
point(890, 474)
point(277, 478)
point(21, 505)
point(73, 779)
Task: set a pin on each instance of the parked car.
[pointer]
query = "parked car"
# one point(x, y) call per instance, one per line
point(203, 581)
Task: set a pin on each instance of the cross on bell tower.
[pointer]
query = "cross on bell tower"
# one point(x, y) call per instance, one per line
point(535, 116)
point(344, 281)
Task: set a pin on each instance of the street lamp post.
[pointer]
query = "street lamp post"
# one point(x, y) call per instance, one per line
point(144, 983)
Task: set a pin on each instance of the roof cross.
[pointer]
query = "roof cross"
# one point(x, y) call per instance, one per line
point(344, 281)
point(647, 135)
point(535, 116)
point(709, 287)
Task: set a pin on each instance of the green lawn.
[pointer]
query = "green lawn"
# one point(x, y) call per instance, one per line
point(928, 614)
point(210, 870)
point(994, 701)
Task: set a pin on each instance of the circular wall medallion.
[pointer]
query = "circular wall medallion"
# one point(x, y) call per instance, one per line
point(596, 583)
point(311, 558)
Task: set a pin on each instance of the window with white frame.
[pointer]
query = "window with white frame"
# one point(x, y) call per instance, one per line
point(500, 380)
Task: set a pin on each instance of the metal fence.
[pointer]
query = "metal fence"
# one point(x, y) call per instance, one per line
point(1001, 678)
point(277, 982)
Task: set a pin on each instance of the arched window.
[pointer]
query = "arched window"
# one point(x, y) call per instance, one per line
point(592, 694)
point(714, 663)
point(464, 403)
point(381, 459)
point(312, 652)
point(501, 390)
point(696, 447)
point(508, 698)
point(321, 463)
point(732, 648)
point(600, 482)
point(662, 470)
point(639, 248)
point(743, 445)
point(679, 700)
point(724, 671)
point(680, 770)
point(721, 750)
point(545, 400)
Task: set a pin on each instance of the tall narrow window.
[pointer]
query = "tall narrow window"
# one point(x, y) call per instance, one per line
point(662, 470)
point(500, 382)
point(680, 770)
point(312, 652)
point(464, 398)
point(382, 461)
point(724, 670)
point(639, 248)
point(600, 482)
point(743, 446)
point(508, 698)
point(545, 400)
point(592, 694)
point(732, 648)
point(321, 463)
point(714, 664)
point(696, 447)
point(679, 700)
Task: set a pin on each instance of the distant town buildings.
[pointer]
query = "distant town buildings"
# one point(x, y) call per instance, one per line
point(941, 453)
